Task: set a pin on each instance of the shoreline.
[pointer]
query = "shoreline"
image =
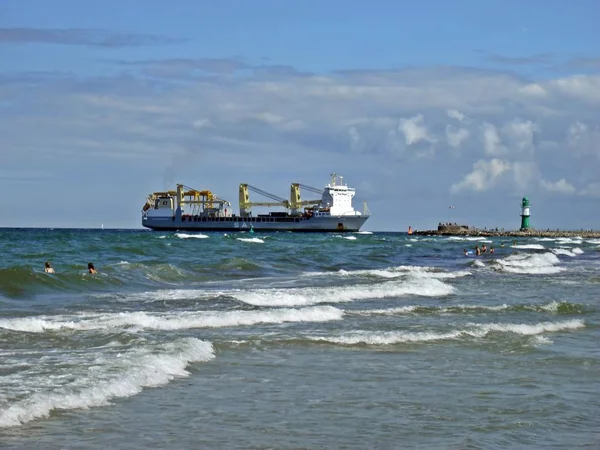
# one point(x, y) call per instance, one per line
point(585, 234)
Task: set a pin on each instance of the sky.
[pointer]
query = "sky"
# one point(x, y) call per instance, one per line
point(435, 111)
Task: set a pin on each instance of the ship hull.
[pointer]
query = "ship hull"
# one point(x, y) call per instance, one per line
point(337, 224)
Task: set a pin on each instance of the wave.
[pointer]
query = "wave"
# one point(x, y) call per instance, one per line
point(471, 331)
point(529, 246)
point(314, 295)
point(170, 321)
point(253, 240)
point(394, 272)
point(23, 280)
point(569, 241)
point(566, 252)
point(468, 238)
point(106, 377)
point(552, 307)
point(538, 263)
point(191, 236)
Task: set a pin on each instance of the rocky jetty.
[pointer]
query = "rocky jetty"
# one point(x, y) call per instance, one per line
point(451, 231)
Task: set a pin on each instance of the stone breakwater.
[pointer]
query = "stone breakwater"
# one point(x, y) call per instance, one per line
point(585, 234)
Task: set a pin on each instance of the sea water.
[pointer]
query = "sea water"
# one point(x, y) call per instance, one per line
point(284, 340)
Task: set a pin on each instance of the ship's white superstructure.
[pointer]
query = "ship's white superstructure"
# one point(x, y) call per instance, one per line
point(337, 198)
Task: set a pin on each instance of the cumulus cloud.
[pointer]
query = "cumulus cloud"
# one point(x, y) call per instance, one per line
point(455, 114)
point(520, 135)
point(492, 145)
point(414, 130)
point(456, 136)
point(583, 139)
point(485, 174)
point(561, 186)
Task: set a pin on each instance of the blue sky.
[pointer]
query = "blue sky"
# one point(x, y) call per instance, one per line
point(420, 105)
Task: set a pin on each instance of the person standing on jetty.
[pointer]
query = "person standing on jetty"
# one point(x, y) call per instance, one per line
point(91, 268)
point(48, 268)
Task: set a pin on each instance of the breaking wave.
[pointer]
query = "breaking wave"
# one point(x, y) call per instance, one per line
point(394, 272)
point(538, 263)
point(170, 321)
point(120, 374)
point(428, 287)
point(191, 236)
point(471, 331)
point(529, 246)
point(253, 240)
point(552, 307)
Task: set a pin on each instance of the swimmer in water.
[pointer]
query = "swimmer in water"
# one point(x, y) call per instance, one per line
point(91, 268)
point(48, 268)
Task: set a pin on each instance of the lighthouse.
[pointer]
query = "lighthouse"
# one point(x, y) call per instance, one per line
point(525, 214)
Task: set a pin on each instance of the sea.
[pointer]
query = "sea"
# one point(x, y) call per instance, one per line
point(284, 340)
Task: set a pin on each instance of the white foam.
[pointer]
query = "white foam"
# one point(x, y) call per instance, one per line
point(171, 321)
point(431, 310)
point(364, 232)
point(566, 252)
point(410, 309)
point(111, 376)
point(529, 246)
point(253, 240)
point(474, 330)
point(191, 236)
point(468, 238)
point(539, 263)
point(531, 329)
point(569, 241)
point(394, 272)
point(593, 241)
point(313, 295)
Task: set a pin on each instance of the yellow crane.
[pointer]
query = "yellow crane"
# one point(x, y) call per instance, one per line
point(246, 204)
point(296, 202)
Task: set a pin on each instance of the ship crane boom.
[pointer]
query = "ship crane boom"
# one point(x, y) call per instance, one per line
point(246, 204)
point(296, 201)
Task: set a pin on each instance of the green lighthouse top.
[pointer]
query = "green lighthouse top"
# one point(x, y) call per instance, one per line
point(525, 202)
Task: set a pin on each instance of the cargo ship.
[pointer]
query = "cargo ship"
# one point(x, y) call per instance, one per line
point(188, 209)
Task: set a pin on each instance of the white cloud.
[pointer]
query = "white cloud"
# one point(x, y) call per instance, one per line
point(414, 130)
point(534, 90)
point(491, 140)
point(455, 114)
point(591, 190)
point(456, 136)
point(559, 187)
point(520, 135)
point(202, 123)
point(583, 139)
point(485, 174)
point(525, 174)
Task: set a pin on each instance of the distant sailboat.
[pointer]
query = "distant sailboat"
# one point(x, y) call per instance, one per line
point(103, 226)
